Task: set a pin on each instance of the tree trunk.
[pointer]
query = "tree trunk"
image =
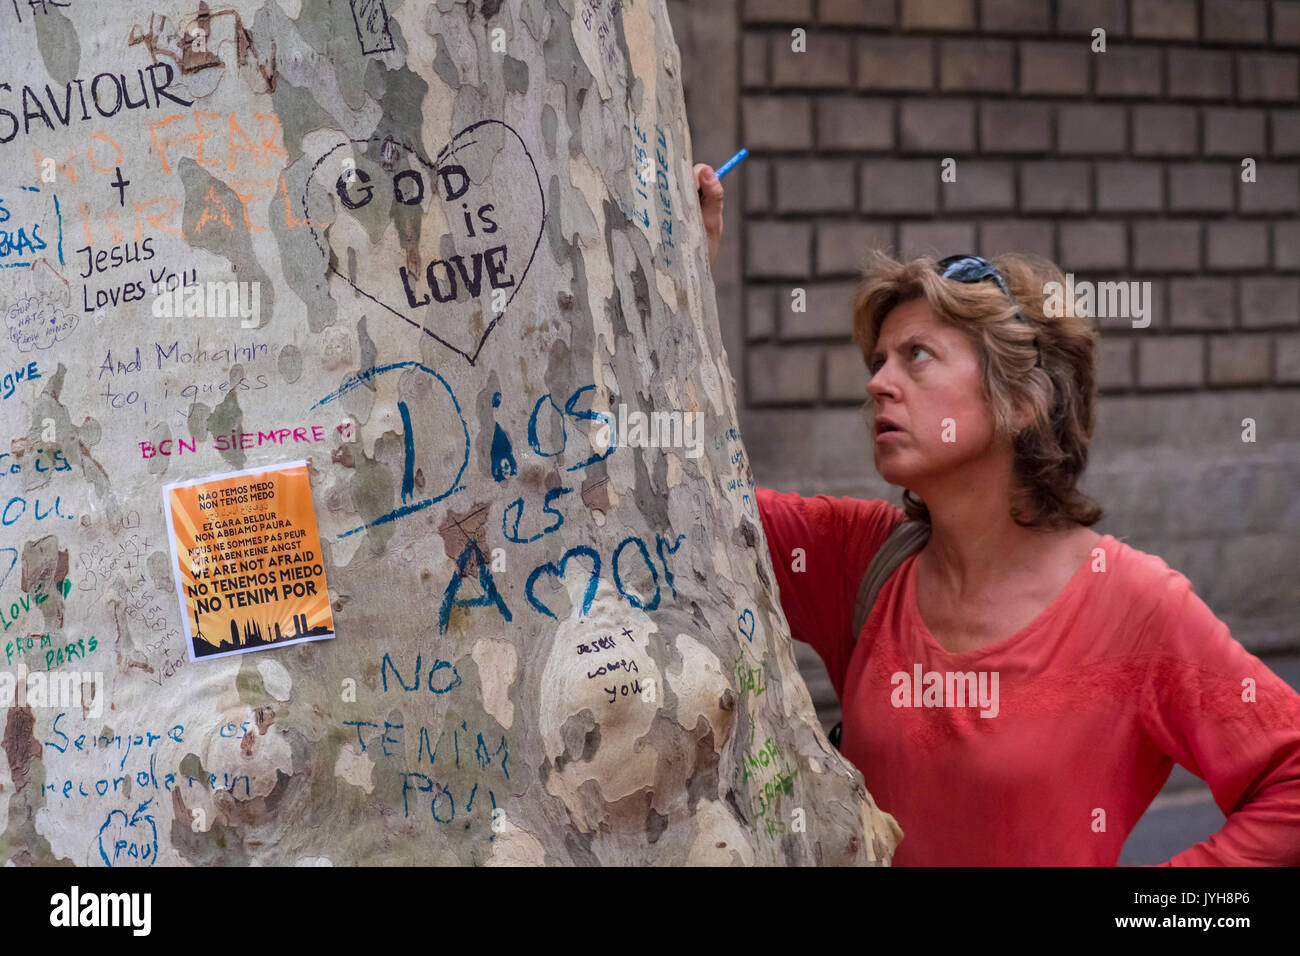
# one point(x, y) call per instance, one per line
point(478, 304)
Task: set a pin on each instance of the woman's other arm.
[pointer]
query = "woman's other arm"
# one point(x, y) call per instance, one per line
point(1216, 709)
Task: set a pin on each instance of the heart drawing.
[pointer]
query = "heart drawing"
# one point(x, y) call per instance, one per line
point(469, 224)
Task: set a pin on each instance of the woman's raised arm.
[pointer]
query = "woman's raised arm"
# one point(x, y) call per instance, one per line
point(710, 188)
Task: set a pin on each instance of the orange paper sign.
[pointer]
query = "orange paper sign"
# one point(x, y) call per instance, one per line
point(247, 560)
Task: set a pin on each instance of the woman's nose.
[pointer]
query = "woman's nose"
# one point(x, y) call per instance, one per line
point(880, 383)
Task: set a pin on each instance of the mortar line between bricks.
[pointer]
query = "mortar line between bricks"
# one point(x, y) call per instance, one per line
point(746, 390)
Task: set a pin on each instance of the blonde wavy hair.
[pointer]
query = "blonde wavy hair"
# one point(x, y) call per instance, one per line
point(1051, 452)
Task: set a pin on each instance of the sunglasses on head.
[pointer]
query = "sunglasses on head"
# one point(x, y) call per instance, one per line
point(967, 268)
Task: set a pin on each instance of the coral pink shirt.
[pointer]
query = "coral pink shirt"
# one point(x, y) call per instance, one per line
point(1125, 673)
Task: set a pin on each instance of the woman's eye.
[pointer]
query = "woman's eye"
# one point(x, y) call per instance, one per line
point(874, 367)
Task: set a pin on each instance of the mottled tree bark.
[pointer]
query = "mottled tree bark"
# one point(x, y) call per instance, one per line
point(473, 240)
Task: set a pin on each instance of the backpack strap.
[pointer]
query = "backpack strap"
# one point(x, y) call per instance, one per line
point(907, 539)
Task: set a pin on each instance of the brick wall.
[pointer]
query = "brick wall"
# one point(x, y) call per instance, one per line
point(1122, 165)
point(1117, 165)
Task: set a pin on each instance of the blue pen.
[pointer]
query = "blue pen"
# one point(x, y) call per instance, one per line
point(728, 166)
point(732, 163)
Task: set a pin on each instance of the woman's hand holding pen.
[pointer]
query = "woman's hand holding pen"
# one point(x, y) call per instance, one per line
point(710, 192)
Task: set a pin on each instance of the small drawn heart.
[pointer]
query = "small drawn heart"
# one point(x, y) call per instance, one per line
point(747, 616)
point(488, 204)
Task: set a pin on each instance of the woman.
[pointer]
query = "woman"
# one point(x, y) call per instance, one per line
point(1091, 666)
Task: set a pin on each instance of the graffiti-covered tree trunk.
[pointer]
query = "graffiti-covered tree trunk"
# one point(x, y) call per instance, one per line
point(372, 485)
